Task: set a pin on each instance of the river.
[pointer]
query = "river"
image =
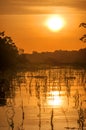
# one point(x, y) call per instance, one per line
point(45, 99)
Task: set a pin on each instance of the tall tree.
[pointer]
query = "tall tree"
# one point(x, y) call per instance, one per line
point(8, 52)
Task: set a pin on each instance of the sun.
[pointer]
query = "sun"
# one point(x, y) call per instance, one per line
point(55, 23)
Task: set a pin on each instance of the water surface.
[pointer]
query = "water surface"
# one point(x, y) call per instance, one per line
point(45, 99)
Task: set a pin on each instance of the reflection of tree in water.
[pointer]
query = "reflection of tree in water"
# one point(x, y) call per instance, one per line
point(42, 83)
point(3, 88)
point(6, 87)
point(59, 81)
point(6, 94)
point(9, 82)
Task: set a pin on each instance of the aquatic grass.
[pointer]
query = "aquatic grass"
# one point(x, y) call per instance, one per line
point(10, 113)
point(20, 125)
point(66, 118)
point(76, 99)
point(81, 119)
point(52, 120)
point(21, 80)
point(39, 87)
point(22, 108)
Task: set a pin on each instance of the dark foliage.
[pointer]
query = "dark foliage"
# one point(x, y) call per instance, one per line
point(8, 52)
point(82, 25)
point(58, 57)
point(83, 38)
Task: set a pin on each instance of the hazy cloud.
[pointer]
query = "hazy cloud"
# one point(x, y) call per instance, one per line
point(24, 6)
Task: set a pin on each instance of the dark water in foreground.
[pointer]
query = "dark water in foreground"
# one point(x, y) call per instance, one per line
point(47, 99)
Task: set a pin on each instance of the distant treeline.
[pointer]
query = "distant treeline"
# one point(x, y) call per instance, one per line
point(12, 57)
point(57, 57)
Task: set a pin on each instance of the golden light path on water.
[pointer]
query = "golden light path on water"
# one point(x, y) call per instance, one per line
point(54, 99)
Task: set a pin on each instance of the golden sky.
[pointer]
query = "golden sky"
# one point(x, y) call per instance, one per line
point(24, 21)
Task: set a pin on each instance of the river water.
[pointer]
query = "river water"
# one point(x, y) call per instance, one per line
point(44, 99)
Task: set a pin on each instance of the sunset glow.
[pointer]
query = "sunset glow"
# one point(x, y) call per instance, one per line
point(43, 64)
point(55, 23)
point(43, 26)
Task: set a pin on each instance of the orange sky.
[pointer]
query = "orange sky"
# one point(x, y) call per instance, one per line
point(28, 31)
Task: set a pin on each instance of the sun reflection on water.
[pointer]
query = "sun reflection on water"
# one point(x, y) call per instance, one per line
point(54, 99)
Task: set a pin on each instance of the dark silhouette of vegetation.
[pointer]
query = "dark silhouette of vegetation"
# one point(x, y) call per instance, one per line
point(58, 57)
point(8, 52)
point(83, 38)
point(82, 25)
point(10, 56)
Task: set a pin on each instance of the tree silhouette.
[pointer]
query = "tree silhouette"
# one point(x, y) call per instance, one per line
point(83, 38)
point(82, 25)
point(8, 52)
